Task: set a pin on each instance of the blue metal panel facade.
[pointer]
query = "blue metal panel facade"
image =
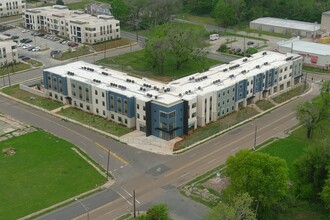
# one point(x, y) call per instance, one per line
point(121, 104)
point(258, 83)
point(240, 89)
point(167, 122)
point(55, 82)
point(269, 82)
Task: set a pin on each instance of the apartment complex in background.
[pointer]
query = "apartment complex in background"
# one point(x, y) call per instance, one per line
point(73, 25)
point(8, 50)
point(98, 9)
point(170, 110)
point(11, 7)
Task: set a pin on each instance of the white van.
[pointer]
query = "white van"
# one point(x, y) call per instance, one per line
point(214, 36)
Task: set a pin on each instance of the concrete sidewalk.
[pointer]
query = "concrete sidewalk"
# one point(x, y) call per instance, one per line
point(152, 144)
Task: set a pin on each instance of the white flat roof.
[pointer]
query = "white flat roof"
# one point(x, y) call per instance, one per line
point(307, 47)
point(186, 88)
point(286, 23)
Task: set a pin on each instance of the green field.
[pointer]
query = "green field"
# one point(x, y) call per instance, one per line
point(136, 63)
point(264, 104)
point(43, 171)
point(18, 93)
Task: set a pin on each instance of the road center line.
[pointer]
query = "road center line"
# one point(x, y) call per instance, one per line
point(221, 148)
point(111, 153)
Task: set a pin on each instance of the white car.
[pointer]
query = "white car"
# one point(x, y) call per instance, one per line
point(25, 30)
point(36, 49)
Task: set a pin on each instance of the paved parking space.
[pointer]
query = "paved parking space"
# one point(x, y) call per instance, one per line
point(43, 56)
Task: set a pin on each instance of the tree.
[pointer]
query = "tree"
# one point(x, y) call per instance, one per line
point(155, 52)
point(224, 14)
point(184, 45)
point(238, 207)
point(325, 194)
point(311, 171)
point(59, 2)
point(120, 10)
point(264, 177)
point(313, 112)
point(157, 212)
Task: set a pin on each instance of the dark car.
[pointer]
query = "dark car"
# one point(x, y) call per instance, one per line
point(14, 37)
point(28, 41)
point(238, 50)
point(250, 43)
point(23, 40)
point(30, 48)
point(21, 56)
point(26, 58)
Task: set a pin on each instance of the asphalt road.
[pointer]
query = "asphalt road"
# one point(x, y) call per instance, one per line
point(152, 176)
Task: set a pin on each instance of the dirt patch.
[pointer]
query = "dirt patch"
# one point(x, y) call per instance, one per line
point(217, 184)
point(10, 151)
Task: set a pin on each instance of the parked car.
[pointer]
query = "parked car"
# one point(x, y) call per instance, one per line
point(238, 50)
point(64, 42)
point(14, 37)
point(6, 34)
point(30, 48)
point(73, 44)
point(21, 56)
point(54, 53)
point(28, 41)
point(25, 30)
point(26, 58)
point(36, 49)
point(250, 43)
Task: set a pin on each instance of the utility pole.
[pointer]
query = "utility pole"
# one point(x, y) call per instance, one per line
point(134, 209)
point(107, 174)
point(105, 49)
point(255, 137)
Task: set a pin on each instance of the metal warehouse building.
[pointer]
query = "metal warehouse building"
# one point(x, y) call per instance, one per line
point(285, 26)
point(314, 54)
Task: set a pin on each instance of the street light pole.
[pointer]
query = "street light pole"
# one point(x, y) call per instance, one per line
point(255, 137)
point(87, 211)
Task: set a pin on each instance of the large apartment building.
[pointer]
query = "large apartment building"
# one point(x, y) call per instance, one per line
point(8, 50)
point(170, 110)
point(11, 7)
point(74, 25)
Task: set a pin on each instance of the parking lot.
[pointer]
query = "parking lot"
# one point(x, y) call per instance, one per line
point(45, 44)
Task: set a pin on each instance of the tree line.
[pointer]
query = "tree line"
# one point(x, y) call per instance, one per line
point(146, 13)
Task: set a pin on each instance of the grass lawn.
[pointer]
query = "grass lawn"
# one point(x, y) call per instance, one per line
point(215, 127)
point(196, 18)
point(314, 69)
point(260, 33)
point(43, 171)
point(15, 68)
point(78, 5)
point(95, 121)
point(80, 51)
point(264, 104)
point(136, 63)
point(289, 94)
point(34, 62)
point(26, 96)
point(111, 44)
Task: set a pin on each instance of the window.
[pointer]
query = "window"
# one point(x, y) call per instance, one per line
point(137, 106)
point(112, 116)
point(96, 101)
point(144, 117)
point(102, 94)
point(81, 105)
point(103, 112)
point(193, 105)
point(286, 68)
point(138, 115)
point(125, 121)
point(95, 92)
point(103, 103)
point(87, 107)
point(97, 110)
